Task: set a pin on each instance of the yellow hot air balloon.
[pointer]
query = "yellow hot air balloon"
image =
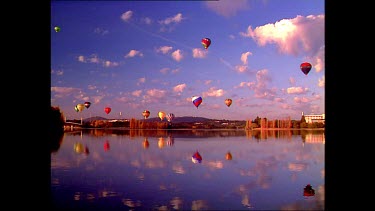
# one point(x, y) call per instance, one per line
point(80, 107)
point(228, 102)
point(161, 115)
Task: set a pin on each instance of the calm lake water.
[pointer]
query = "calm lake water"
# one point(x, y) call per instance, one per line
point(103, 169)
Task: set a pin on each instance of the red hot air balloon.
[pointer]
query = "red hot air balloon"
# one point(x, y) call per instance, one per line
point(308, 190)
point(196, 101)
point(305, 67)
point(206, 42)
point(87, 104)
point(146, 114)
point(107, 110)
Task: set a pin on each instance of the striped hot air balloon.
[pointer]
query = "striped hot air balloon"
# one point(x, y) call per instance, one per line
point(170, 117)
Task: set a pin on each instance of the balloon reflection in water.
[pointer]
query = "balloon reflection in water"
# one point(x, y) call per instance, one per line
point(196, 158)
point(146, 144)
point(170, 141)
point(79, 148)
point(228, 156)
point(161, 142)
point(308, 191)
point(106, 145)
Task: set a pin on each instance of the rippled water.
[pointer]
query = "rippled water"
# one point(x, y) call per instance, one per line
point(155, 170)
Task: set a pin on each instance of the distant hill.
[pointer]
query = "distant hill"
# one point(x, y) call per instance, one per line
point(187, 119)
point(94, 118)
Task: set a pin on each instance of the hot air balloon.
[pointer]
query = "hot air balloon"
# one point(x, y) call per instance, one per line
point(80, 107)
point(76, 108)
point(57, 29)
point(196, 158)
point(196, 100)
point(170, 117)
point(308, 191)
point(161, 115)
point(228, 102)
point(87, 104)
point(305, 67)
point(206, 42)
point(107, 110)
point(146, 114)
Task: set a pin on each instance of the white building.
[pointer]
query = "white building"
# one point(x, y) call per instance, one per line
point(314, 118)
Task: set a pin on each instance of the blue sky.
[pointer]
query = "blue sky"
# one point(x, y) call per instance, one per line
point(143, 55)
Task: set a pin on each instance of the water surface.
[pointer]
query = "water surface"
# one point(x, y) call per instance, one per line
point(103, 169)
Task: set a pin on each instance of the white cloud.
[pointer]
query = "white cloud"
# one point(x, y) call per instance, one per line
point(179, 88)
point(164, 49)
point(177, 55)
point(244, 57)
point(213, 92)
point(133, 53)
point(321, 81)
point(199, 53)
point(175, 19)
point(227, 8)
point(137, 93)
point(127, 16)
point(300, 35)
point(297, 90)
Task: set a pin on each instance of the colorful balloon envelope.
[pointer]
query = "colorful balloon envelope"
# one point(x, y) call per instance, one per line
point(196, 100)
point(57, 29)
point(305, 67)
point(228, 102)
point(107, 110)
point(196, 158)
point(80, 107)
point(206, 42)
point(76, 108)
point(308, 191)
point(87, 104)
point(161, 115)
point(170, 117)
point(146, 114)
